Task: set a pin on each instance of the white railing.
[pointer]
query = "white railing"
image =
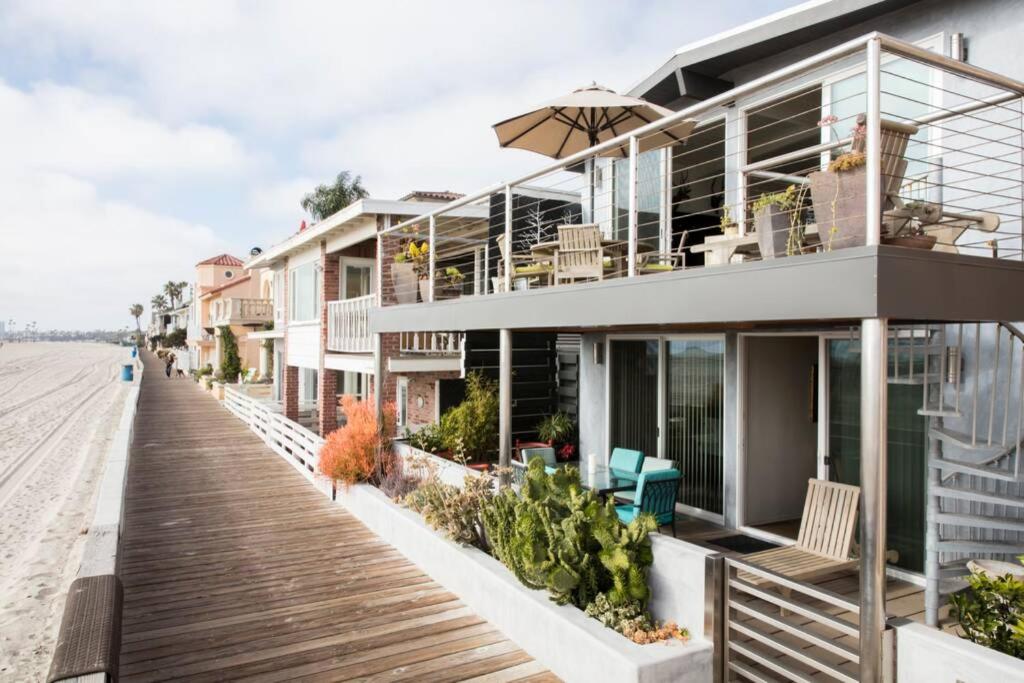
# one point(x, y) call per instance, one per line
point(348, 325)
point(297, 445)
point(927, 146)
point(236, 311)
point(431, 343)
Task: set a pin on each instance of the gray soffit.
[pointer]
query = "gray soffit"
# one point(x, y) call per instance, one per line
point(850, 284)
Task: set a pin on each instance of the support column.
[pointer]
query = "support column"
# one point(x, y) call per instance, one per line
point(327, 386)
point(378, 377)
point(932, 597)
point(505, 400)
point(873, 470)
point(289, 373)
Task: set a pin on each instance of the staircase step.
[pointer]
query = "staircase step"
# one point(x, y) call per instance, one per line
point(963, 493)
point(950, 465)
point(981, 547)
point(935, 412)
point(964, 441)
point(979, 521)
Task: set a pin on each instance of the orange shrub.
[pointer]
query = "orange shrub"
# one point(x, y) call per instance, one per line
point(350, 454)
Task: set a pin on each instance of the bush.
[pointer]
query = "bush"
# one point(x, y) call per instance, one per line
point(558, 537)
point(470, 429)
point(631, 621)
point(457, 512)
point(428, 438)
point(991, 612)
point(176, 339)
point(557, 428)
point(361, 450)
point(230, 364)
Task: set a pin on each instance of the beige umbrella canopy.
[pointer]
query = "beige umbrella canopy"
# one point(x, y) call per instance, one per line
point(584, 118)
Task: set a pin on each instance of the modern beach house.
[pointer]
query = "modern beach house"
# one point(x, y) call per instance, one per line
point(803, 278)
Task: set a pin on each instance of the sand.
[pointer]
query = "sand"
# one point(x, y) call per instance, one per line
point(60, 404)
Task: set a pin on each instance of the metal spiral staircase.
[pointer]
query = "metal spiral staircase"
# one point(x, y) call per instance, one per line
point(973, 396)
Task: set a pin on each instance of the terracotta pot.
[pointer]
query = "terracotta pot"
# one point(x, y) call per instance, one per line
point(911, 241)
point(403, 281)
point(840, 207)
point(772, 226)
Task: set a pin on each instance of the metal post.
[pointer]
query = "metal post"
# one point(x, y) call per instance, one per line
point(505, 401)
point(380, 268)
point(873, 143)
point(873, 423)
point(634, 215)
point(508, 239)
point(432, 241)
point(378, 377)
point(933, 479)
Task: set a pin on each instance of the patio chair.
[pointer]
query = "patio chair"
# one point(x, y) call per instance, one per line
point(656, 494)
point(523, 266)
point(825, 538)
point(650, 465)
point(580, 255)
point(664, 262)
point(626, 460)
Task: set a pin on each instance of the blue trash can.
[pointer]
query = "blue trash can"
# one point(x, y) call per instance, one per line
point(135, 351)
point(127, 372)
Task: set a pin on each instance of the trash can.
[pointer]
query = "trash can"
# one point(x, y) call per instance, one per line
point(135, 351)
point(127, 372)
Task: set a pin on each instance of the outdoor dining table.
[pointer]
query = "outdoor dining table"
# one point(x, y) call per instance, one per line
point(605, 481)
point(618, 251)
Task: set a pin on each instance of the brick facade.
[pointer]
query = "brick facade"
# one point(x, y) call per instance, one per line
point(290, 373)
point(424, 385)
point(327, 400)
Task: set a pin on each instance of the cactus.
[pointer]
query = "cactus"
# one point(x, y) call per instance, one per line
point(558, 537)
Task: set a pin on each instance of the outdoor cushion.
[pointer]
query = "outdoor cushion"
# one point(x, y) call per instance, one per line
point(656, 492)
point(533, 268)
point(650, 465)
point(659, 267)
point(626, 460)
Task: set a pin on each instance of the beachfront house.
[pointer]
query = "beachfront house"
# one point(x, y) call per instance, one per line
point(808, 273)
point(324, 285)
point(226, 299)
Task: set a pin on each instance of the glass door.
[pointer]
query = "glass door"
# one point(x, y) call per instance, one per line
point(633, 395)
point(356, 278)
point(907, 441)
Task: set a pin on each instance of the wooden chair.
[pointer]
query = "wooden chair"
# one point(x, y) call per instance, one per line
point(522, 267)
point(826, 536)
point(580, 255)
point(665, 262)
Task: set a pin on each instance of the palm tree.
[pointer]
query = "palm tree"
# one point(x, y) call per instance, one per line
point(174, 290)
point(182, 288)
point(136, 311)
point(326, 200)
point(159, 303)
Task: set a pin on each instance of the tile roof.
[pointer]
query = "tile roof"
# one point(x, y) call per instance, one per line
point(226, 285)
point(421, 195)
point(222, 260)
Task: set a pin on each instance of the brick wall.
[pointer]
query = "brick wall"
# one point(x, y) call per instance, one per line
point(327, 400)
point(424, 385)
point(290, 373)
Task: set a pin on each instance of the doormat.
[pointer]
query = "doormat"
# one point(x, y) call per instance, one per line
point(742, 544)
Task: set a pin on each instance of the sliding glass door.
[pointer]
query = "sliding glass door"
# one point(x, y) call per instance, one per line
point(665, 399)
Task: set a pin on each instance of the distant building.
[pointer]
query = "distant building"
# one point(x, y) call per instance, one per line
point(3, 328)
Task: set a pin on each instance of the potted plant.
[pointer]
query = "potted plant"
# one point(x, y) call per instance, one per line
point(449, 282)
point(728, 225)
point(777, 220)
point(403, 276)
point(558, 430)
point(839, 196)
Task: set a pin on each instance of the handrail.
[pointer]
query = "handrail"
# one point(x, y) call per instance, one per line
point(853, 46)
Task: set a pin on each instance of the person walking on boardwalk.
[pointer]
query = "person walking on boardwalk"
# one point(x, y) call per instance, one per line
point(169, 365)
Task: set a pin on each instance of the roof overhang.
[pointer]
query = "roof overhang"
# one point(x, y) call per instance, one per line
point(349, 219)
point(425, 364)
point(266, 334)
point(349, 362)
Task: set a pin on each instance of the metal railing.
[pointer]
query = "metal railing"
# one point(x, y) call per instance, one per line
point(776, 626)
point(900, 146)
point(348, 325)
point(431, 343)
point(239, 311)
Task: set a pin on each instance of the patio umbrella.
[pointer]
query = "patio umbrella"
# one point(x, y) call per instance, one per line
point(586, 117)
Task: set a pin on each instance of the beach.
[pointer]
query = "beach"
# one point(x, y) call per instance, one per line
point(59, 407)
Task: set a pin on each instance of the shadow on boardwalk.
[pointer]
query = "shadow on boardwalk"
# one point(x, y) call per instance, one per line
point(234, 567)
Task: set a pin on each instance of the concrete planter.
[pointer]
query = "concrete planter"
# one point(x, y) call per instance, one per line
point(772, 226)
point(403, 280)
point(562, 638)
point(840, 207)
point(218, 390)
point(206, 382)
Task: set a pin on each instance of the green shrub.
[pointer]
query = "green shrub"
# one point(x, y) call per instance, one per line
point(470, 429)
point(991, 612)
point(428, 438)
point(558, 537)
point(557, 428)
point(457, 512)
point(176, 339)
point(230, 364)
point(633, 622)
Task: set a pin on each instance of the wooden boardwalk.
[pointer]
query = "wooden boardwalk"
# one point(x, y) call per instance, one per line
point(235, 568)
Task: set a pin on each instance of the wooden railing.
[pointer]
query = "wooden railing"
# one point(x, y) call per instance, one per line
point(431, 343)
point(241, 311)
point(297, 445)
point(348, 325)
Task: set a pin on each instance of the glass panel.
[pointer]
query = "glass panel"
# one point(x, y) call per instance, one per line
point(693, 410)
point(906, 449)
point(634, 395)
point(304, 293)
point(648, 196)
point(357, 281)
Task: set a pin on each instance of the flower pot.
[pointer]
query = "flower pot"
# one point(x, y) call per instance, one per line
point(424, 290)
point(772, 226)
point(403, 281)
point(911, 241)
point(840, 207)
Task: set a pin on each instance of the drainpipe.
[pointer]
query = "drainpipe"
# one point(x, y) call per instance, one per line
point(505, 402)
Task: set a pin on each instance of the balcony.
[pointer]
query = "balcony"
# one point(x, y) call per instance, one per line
point(877, 178)
point(423, 344)
point(236, 311)
point(348, 329)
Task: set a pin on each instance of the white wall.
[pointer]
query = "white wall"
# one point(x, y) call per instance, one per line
point(926, 655)
point(304, 345)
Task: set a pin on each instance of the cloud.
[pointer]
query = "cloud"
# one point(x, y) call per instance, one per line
point(279, 201)
point(74, 260)
point(65, 129)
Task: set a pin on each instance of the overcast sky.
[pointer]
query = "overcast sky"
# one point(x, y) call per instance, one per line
point(138, 138)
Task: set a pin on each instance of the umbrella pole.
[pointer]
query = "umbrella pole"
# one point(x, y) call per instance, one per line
point(592, 135)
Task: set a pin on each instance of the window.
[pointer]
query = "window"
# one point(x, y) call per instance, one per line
point(304, 293)
point(403, 401)
point(356, 277)
point(649, 196)
point(228, 274)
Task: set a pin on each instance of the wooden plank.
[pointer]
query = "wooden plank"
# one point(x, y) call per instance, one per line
point(233, 566)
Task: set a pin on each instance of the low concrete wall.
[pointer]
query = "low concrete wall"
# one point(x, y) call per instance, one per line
point(927, 655)
point(684, 584)
point(574, 646)
point(448, 471)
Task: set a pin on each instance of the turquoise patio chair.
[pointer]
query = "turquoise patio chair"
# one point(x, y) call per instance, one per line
point(656, 494)
point(626, 460)
point(546, 452)
point(650, 465)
